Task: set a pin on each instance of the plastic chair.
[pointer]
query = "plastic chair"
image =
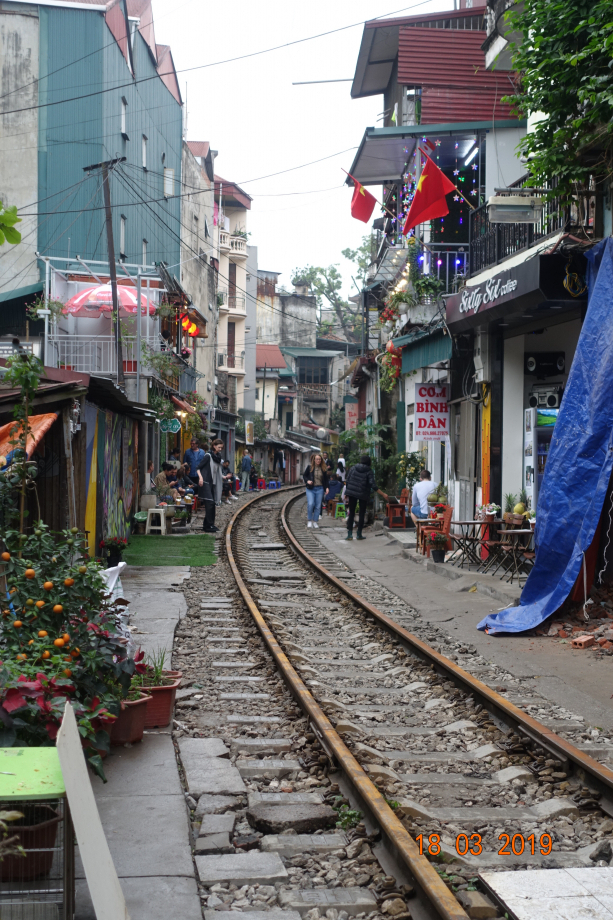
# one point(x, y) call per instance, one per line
point(158, 528)
point(261, 483)
point(340, 511)
point(273, 484)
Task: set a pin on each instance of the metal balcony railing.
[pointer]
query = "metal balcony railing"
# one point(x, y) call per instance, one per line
point(491, 243)
point(231, 361)
point(94, 354)
point(236, 302)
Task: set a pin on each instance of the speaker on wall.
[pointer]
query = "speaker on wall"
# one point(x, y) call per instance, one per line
point(544, 363)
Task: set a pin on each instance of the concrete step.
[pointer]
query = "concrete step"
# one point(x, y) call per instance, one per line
point(249, 868)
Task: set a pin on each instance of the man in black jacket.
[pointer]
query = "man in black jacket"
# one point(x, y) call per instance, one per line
point(207, 492)
point(360, 484)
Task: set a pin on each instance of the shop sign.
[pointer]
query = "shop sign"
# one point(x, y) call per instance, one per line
point(172, 425)
point(248, 432)
point(488, 293)
point(467, 307)
point(431, 412)
point(351, 415)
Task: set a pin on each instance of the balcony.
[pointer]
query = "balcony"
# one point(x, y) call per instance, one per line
point(236, 303)
point(231, 363)
point(222, 301)
point(238, 246)
point(492, 243)
point(224, 241)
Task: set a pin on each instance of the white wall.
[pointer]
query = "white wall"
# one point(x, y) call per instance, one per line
point(502, 164)
point(512, 415)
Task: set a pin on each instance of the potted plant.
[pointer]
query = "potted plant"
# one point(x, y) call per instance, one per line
point(531, 517)
point(440, 509)
point(160, 684)
point(437, 542)
point(129, 726)
point(490, 511)
point(114, 547)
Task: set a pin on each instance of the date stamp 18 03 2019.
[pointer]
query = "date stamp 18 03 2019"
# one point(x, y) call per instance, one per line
point(511, 845)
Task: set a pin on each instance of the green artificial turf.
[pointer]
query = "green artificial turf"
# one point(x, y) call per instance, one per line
point(154, 549)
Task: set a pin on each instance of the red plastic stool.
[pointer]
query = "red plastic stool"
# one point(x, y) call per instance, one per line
point(396, 516)
point(261, 483)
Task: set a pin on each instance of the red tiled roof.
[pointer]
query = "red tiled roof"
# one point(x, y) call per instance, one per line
point(269, 355)
point(167, 72)
point(199, 148)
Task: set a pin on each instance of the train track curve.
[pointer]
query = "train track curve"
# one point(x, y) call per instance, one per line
point(407, 734)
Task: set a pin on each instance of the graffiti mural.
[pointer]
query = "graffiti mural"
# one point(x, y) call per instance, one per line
point(111, 474)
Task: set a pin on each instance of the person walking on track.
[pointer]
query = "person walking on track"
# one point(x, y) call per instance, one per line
point(245, 470)
point(360, 484)
point(316, 479)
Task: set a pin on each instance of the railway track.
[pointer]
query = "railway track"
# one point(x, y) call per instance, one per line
point(346, 712)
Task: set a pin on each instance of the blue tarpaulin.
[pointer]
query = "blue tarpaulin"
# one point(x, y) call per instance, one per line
point(579, 462)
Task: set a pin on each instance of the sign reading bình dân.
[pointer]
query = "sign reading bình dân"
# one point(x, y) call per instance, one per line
point(431, 412)
point(351, 415)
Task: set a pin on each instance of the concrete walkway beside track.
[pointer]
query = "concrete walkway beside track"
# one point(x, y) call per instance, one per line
point(142, 806)
point(569, 677)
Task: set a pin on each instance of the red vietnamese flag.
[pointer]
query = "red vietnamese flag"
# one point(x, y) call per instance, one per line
point(429, 201)
point(362, 203)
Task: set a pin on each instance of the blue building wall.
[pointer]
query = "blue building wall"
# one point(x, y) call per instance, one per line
point(76, 134)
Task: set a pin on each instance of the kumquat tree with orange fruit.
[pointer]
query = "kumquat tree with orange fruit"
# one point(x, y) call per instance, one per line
point(59, 625)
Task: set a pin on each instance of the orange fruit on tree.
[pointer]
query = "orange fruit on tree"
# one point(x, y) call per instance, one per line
point(82, 569)
point(67, 672)
point(21, 657)
point(58, 608)
point(17, 624)
point(13, 589)
point(6, 557)
point(66, 638)
point(58, 642)
point(40, 604)
point(69, 582)
point(42, 633)
point(68, 659)
point(48, 585)
point(30, 573)
point(6, 613)
point(76, 652)
point(46, 655)
point(29, 602)
point(31, 642)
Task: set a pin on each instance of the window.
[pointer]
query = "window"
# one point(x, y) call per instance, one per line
point(257, 392)
point(207, 232)
point(124, 113)
point(144, 252)
point(169, 182)
point(144, 151)
point(122, 237)
point(312, 370)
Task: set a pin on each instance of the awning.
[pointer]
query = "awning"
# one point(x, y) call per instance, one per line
point(39, 425)
point(183, 406)
point(423, 348)
point(21, 292)
point(384, 152)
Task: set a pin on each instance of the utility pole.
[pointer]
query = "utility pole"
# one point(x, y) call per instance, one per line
point(110, 243)
point(264, 392)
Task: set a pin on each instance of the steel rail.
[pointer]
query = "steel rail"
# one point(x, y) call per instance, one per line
point(426, 878)
point(506, 711)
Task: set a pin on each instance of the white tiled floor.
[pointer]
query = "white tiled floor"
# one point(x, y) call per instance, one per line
point(555, 894)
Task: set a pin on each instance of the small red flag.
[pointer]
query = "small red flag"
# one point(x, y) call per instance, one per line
point(429, 201)
point(362, 203)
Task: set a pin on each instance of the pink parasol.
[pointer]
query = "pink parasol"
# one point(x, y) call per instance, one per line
point(97, 300)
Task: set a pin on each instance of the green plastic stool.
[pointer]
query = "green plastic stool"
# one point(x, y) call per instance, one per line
point(340, 511)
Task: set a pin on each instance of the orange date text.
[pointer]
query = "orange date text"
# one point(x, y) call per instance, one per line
point(510, 844)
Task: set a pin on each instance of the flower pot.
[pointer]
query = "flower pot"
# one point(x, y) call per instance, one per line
point(37, 832)
point(439, 515)
point(438, 555)
point(533, 524)
point(161, 701)
point(129, 726)
point(490, 517)
point(112, 560)
point(147, 501)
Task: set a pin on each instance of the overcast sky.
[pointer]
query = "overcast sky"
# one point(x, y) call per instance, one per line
point(261, 124)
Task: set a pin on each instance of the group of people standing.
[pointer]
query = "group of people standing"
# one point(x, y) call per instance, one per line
point(356, 487)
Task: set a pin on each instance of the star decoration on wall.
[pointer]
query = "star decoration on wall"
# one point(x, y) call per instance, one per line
point(438, 143)
point(456, 172)
point(474, 166)
point(473, 191)
point(456, 197)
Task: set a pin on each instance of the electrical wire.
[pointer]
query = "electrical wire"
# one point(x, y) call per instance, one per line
point(174, 72)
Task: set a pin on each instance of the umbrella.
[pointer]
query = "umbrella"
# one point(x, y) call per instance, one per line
point(97, 300)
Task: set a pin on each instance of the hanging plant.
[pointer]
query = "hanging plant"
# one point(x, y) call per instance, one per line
point(33, 309)
point(389, 372)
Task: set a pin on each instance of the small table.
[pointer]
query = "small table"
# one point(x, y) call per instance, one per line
point(467, 540)
point(516, 549)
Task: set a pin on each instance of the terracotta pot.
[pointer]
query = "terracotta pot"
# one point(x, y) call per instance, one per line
point(129, 726)
point(38, 834)
point(161, 701)
point(490, 517)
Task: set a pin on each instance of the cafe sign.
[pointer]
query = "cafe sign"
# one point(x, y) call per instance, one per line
point(491, 299)
point(431, 412)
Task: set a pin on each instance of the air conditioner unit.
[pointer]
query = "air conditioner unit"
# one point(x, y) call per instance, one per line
point(481, 357)
point(549, 398)
point(514, 209)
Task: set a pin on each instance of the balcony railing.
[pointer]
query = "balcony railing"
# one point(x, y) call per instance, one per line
point(236, 302)
point(238, 246)
point(314, 390)
point(94, 355)
point(224, 240)
point(231, 361)
point(491, 243)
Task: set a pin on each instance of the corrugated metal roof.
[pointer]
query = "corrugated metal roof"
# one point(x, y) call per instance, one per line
point(309, 352)
point(269, 355)
point(450, 68)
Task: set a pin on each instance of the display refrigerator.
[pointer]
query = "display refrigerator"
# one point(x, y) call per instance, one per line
point(538, 431)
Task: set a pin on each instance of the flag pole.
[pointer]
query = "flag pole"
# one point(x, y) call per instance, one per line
point(370, 193)
point(470, 205)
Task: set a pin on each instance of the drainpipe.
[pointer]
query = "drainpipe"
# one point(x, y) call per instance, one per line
point(139, 320)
